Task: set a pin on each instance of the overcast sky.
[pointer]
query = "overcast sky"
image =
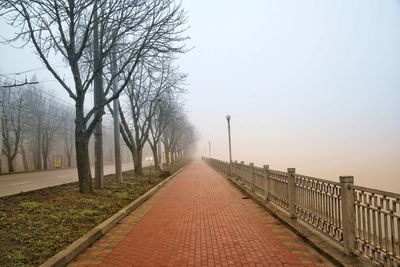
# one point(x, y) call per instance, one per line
point(309, 84)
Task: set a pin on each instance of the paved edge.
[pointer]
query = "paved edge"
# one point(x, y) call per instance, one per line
point(324, 246)
point(66, 255)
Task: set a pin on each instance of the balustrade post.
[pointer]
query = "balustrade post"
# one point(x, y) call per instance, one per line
point(252, 177)
point(348, 213)
point(292, 192)
point(266, 184)
point(232, 168)
point(242, 178)
point(226, 168)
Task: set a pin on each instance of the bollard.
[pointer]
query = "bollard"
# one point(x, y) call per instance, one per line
point(292, 192)
point(266, 183)
point(348, 218)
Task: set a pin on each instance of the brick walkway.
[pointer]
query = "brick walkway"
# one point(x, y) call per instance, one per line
point(199, 219)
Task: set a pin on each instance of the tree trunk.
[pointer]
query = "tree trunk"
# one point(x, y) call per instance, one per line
point(10, 164)
point(167, 157)
point(24, 158)
point(159, 152)
point(45, 160)
point(68, 153)
point(155, 157)
point(172, 159)
point(166, 151)
point(137, 161)
point(45, 156)
point(69, 159)
point(82, 152)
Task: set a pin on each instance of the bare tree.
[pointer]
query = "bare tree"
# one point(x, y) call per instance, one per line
point(24, 154)
point(186, 140)
point(33, 117)
point(179, 136)
point(142, 97)
point(169, 135)
point(165, 111)
point(29, 119)
point(12, 109)
point(157, 127)
point(136, 28)
point(68, 135)
point(51, 123)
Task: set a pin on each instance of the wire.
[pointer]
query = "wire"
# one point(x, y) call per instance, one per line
point(57, 65)
point(54, 80)
point(49, 96)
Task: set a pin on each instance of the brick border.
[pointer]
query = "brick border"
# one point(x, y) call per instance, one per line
point(66, 255)
point(323, 246)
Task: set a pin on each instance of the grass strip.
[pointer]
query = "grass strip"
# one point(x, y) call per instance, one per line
point(36, 225)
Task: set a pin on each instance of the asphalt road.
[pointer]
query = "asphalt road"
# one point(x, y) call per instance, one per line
point(23, 182)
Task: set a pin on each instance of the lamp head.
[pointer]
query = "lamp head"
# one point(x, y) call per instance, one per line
point(228, 117)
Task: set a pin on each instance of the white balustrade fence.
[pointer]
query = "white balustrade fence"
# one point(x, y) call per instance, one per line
point(363, 221)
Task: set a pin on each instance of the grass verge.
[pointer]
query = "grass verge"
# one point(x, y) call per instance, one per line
point(36, 225)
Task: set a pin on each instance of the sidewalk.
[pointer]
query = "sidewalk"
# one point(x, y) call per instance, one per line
point(199, 219)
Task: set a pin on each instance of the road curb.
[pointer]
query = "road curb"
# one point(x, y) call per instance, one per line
point(66, 255)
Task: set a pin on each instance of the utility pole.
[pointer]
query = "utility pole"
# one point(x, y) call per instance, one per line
point(39, 143)
point(1, 141)
point(117, 143)
point(98, 99)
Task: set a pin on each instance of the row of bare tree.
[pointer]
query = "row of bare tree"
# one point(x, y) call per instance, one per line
point(31, 124)
point(151, 108)
point(35, 124)
point(116, 47)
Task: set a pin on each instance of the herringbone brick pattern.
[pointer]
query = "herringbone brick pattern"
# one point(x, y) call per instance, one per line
point(199, 219)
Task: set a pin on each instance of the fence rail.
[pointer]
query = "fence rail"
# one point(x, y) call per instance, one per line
point(278, 188)
point(362, 220)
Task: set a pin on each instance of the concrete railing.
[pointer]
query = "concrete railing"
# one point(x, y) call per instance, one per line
point(363, 221)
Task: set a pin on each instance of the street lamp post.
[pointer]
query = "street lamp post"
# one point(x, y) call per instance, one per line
point(209, 149)
point(228, 118)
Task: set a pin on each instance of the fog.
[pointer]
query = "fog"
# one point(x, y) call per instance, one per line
point(309, 84)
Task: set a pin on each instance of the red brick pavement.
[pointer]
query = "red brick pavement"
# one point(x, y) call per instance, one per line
point(199, 219)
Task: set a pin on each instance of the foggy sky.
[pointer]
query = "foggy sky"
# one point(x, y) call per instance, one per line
point(309, 84)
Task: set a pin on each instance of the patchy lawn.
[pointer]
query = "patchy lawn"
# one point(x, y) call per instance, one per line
point(36, 225)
